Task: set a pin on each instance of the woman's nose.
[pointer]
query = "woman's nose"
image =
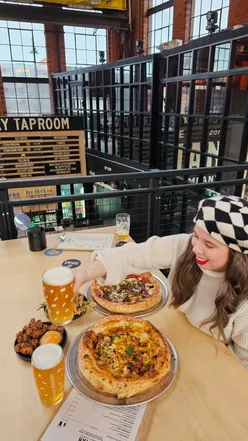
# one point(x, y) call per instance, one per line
point(198, 249)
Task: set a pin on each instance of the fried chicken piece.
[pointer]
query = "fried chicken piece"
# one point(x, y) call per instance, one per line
point(45, 328)
point(37, 333)
point(39, 324)
point(56, 328)
point(34, 343)
point(19, 337)
point(26, 338)
point(24, 348)
point(28, 331)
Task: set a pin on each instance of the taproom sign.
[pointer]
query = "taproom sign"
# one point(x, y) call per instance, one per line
point(32, 147)
point(49, 123)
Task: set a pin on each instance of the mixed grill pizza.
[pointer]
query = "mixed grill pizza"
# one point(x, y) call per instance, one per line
point(123, 356)
point(136, 293)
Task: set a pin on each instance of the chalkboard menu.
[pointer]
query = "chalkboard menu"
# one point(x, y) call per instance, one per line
point(51, 150)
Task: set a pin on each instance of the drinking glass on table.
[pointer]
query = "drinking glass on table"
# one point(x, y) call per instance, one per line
point(49, 373)
point(59, 295)
point(122, 226)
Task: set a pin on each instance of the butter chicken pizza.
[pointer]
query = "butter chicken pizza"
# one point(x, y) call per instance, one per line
point(123, 356)
point(136, 293)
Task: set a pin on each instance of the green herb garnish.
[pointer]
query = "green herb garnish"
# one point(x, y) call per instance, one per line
point(129, 351)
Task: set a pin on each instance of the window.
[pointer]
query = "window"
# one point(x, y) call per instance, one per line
point(198, 16)
point(160, 27)
point(22, 49)
point(27, 99)
point(82, 46)
point(23, 55)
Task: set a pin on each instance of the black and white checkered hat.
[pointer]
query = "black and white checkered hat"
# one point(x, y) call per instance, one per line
point(225, 218)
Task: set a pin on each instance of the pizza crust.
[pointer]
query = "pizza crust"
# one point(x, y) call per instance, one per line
point(124, 308)
point(123, 385)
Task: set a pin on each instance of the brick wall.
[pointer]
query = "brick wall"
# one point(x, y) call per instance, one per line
point(138, 31)
point(238, 12)
point(145, 26)
point(181, 19)
point(113, 45)
point(3, 110)
point(55, 45)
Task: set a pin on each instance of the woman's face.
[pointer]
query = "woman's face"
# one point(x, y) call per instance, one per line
point(210, 254)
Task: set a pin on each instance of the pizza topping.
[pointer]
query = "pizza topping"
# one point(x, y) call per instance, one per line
point(131, 290)
point(127, 352)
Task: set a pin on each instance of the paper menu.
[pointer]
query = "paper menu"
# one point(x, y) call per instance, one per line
point(86, 241)
point(80, 419)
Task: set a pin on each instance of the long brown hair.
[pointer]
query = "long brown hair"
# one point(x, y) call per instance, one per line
point(232, 292)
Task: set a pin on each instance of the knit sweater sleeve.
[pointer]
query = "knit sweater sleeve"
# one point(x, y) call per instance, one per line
point(155, 253)
point(240, 335)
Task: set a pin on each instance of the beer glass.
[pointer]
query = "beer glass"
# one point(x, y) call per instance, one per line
point(49, 373)
point(122, 226)
point(59, 295)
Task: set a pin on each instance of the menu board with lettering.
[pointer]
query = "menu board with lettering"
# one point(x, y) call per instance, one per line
point(50, 152)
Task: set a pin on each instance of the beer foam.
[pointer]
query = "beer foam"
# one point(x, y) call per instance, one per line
point(58, 276)
point(46, 356)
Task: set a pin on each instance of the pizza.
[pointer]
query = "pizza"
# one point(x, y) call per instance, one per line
point(136, 293)
point(123, 356)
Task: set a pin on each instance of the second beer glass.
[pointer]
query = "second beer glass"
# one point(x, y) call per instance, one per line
point(59, 295)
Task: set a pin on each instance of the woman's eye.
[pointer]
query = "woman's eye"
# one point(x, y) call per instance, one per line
point(210, 246)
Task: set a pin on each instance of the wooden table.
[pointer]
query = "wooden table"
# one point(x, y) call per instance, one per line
point(208, 401)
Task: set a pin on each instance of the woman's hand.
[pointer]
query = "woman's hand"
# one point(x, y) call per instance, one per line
point(80, 276)
point(84, 275)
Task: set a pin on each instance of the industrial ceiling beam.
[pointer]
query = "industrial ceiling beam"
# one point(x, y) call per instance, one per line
point(57, 15)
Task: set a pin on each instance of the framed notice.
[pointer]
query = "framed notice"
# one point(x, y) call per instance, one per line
point(41, 147)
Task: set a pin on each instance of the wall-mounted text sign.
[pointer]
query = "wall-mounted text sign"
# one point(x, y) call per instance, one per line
point(29, 151)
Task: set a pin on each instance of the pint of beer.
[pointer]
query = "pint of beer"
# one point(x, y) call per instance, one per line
point(49, 373)
point(122, 226)
point(58, 291)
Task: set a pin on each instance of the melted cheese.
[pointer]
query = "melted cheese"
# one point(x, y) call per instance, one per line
point(130, 352)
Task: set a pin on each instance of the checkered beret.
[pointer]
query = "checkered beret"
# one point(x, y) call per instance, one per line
point(225, 218)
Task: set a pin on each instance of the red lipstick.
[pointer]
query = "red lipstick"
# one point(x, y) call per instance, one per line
point(200, 261)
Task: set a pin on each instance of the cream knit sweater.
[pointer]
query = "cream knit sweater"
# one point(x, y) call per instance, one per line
point(162, 253)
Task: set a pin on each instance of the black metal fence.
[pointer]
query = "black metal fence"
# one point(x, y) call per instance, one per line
point(115, 102)
point(161, 202)
point(185, 107)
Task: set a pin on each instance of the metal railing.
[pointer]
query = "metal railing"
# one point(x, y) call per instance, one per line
point(159, 202)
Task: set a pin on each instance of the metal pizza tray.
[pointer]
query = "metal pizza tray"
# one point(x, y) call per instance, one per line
point(149, 311)
point(81, 384)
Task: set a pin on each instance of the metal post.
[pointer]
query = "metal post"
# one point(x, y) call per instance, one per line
point(7, 227)
point(3, 223)
point(153, 208)
point(156, 106)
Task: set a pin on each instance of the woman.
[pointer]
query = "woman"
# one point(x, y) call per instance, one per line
point(208, 270)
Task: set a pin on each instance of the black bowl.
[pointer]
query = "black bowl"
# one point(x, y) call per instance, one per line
point(28, 357)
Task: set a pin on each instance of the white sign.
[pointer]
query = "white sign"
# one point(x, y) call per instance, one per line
point(86, 241)
point(79, 419)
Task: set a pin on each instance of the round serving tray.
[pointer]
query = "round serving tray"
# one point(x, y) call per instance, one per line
point(82, 385)
point(134, 314)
